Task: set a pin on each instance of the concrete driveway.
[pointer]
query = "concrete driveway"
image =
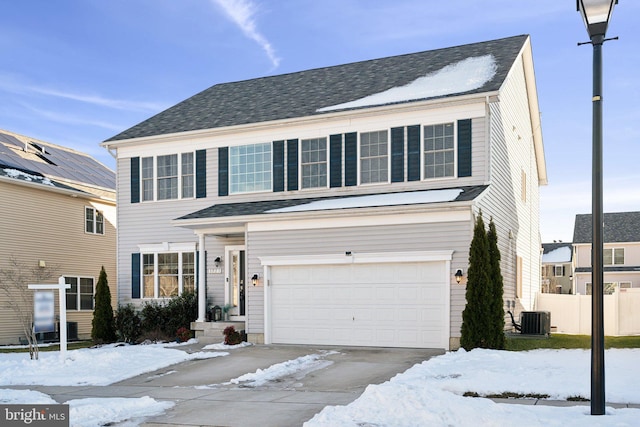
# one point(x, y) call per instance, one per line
point(203, 395)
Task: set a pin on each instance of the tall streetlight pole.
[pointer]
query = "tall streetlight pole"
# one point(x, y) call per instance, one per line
point(596, 15)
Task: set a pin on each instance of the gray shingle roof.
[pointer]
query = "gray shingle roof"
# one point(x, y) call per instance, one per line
point(619, 227)
point(264, 206)
point(302, 93)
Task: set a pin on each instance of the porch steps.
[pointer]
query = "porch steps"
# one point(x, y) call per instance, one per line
point(212, 332)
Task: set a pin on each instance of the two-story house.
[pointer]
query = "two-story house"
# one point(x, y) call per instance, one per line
point(57, 218)
point(336, 205)
point(557, 267)
point(621, 255)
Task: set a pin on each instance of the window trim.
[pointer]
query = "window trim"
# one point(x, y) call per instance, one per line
point(79, 294)
point(555, 271)
point(359, 157)
point(94, 221)
point(231, 174)
point(180, 177)
point(455, 151)
point(327, 163)
point(166, 248)
point(613, 251)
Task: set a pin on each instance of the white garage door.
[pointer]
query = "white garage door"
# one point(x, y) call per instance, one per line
point(380, 305)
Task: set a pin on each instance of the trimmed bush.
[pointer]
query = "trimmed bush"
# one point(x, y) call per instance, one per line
point(128, 324)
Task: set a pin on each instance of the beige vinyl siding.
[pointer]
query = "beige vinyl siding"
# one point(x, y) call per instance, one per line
point(40, 224)
point(397, 238)
point(516, 217)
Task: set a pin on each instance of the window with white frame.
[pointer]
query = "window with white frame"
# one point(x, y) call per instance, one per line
point(147, 178)
point(188, 175)
point(80, 295)
point(93, 221)
point(439, 151)
point(313, 162)
point(167, 274)
point(608, 288)
point(613, 256)
point(626, 285)
point(374, 157)
point(558, 270)
point(167, 171)
point(250, 168)
point(171, 175)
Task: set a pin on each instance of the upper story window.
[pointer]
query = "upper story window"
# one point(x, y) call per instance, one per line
point(80, 295)
point(167, 177)
point(558, 270)
point(374, 157)
point(439, 150)
point(168, 274)
point(613, 256)
point(250, 168)
point(313, 162)
point(93, 221)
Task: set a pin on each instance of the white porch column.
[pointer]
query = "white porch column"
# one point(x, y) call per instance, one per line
point(202, 277)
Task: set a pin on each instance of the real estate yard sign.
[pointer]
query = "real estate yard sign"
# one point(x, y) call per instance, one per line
point(44, 311)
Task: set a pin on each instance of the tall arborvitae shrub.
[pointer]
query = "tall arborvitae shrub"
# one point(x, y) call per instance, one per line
point(103, 326)
point(476, 313)
point(496, 315)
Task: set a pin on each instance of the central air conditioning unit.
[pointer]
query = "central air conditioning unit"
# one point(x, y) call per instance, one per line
point(535, 322)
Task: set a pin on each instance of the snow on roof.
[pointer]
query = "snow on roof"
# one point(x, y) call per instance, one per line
point(559, 255)
point(14, 173)
point(462, 76)
point(393, 199)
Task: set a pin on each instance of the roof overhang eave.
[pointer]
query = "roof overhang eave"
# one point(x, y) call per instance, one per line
point(241, 220)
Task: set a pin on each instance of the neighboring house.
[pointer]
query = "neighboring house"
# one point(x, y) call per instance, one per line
point(335, 205)
point(58, 214)
point(621, 256)
point(557, 268)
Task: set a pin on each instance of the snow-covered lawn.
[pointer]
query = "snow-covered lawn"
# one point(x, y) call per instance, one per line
point(430, 393)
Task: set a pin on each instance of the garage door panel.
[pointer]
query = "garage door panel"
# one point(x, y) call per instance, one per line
point(400, 305)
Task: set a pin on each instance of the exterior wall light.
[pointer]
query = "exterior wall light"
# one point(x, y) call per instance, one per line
point(254, 279)
point(217, 262)
point(458, 276)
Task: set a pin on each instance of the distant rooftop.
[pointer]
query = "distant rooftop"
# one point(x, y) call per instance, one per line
point(557, 252)
point(619, 227)
point(29, 159)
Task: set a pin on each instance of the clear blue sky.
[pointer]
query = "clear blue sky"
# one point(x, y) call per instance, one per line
point(76, 72)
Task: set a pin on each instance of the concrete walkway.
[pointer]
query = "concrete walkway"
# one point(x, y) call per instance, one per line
point(203, 395)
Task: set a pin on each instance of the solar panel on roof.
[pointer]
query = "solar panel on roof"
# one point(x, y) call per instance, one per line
point(10, 139)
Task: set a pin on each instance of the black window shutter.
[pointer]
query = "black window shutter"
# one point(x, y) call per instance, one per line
point(201, 174)
point(223, 171)
point(397, 154)
point(464, 148)
point(135, 275)
point(335, 159)
point(413, 153)
point(350, 159)
point(292, 164)
point(135, 180)
point(278, 166)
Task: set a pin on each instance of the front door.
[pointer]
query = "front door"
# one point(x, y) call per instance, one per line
point(235, 280)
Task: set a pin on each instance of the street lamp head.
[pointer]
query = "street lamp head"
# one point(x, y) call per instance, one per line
point(596, 15)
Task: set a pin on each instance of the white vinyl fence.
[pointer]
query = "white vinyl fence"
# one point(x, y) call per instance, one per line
point(571, 314)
